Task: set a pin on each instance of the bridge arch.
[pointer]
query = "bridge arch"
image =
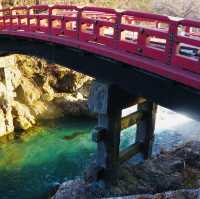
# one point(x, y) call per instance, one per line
point(134, 81)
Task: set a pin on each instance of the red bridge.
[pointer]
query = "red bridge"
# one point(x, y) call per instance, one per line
point(158, 44)
point(144, 55)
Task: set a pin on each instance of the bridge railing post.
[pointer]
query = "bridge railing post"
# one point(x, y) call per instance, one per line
point(50, 21)
point(78, 22)
point(171, 44)
point(117, 31)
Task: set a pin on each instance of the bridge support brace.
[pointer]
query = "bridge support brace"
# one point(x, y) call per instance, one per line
point(107, 101)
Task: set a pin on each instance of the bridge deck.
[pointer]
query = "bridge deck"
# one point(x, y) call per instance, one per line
point(158, 44)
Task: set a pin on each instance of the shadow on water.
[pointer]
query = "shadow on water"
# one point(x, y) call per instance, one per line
point(31, 166)
point(73, 135)
point(38, 181)
point(30, 182)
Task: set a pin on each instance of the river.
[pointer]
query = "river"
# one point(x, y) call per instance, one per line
point(58, 150)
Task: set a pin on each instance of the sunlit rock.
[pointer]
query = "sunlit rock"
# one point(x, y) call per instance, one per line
point(72, 105)
point(46, 111)
point(29, 92)
point(48, 91)
point(23, 117)
point(16, 76)
point(2, 90)
point(2, 123)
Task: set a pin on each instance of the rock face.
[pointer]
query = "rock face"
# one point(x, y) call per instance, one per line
point(31, 89)
point(6, 96)
point(166, 173)
point(2, 123)
point(24, 119)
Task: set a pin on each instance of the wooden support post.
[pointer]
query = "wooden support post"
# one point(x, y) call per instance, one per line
point(109, 147)
point(105, 101)
point(146, 127)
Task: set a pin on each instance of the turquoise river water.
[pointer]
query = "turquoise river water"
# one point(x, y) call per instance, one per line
point(49, 154)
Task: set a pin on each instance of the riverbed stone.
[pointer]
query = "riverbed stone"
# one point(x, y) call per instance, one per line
point(171, 175)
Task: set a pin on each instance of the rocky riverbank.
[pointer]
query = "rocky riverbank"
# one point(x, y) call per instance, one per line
point(170, 171)
point(180, 194)
point(32, 89)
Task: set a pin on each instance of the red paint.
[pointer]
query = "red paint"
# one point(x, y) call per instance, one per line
point(142, 40)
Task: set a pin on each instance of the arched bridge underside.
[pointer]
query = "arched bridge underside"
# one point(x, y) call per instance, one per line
point(138, 82)
point(147, 55)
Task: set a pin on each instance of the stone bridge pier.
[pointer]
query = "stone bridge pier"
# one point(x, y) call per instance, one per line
point(108, 101)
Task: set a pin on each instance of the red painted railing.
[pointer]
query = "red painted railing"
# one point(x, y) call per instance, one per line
point(159, 44)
